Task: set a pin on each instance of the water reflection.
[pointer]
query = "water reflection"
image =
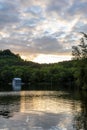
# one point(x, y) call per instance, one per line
point(53, 102)
point(9, 103)
point(81, 117)
point(43, 110)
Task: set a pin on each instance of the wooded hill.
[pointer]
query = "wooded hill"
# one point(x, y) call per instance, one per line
point(65, 73)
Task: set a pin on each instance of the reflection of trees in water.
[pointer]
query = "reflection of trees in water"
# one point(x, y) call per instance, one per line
point(81, 117)
point(6, 113)
point(9, 105)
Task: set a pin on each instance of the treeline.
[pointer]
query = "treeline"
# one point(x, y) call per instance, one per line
point(12, 65)
point(64, 73)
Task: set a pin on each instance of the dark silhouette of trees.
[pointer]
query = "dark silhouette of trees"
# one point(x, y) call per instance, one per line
point(80, 51)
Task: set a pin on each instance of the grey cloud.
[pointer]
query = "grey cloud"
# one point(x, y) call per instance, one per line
point(81, 27)
point(78, 8)
point(67, 10)
point(8, 12)
point(58, 6)
point(37, 10)
point(31, 16)
point(7, 6)
point(25, 3)
point(54, 35)
point(47, 45)
point(6, 19)
point(17, 45)
point(30, 22)
point(28, 16)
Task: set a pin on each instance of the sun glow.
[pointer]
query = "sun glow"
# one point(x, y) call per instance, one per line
point(23, 57)
point(43, 58)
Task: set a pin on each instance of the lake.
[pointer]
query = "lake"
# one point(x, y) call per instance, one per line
point(43, 110)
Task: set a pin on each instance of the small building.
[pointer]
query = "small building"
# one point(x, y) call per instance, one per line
point(16, 84)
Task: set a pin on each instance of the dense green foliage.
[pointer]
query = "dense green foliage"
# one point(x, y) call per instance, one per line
point(66, 73)
point(79, 53)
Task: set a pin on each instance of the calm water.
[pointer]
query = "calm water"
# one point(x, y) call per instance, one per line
point(43, 110)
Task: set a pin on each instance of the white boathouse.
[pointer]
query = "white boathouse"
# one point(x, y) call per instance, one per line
point(16, 84)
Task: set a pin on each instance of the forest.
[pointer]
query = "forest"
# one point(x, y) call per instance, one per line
point(71, 73)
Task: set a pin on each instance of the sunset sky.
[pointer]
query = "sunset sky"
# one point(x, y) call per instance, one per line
point(43, 31)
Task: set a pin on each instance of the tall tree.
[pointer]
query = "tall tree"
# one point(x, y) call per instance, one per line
point(80, 51)
point(76, 52)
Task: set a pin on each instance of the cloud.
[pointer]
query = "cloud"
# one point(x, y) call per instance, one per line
point(8, 13)
point(57, 6)
point(36, 27)
point(35, 10)
point(47, 45)
point(78, 8)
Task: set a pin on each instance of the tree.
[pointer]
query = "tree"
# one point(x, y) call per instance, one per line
point(80, 51)
point(76, 52)
point(83, 48)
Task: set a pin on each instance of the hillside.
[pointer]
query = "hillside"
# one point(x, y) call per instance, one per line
point(11, 59)
point(64, 73)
